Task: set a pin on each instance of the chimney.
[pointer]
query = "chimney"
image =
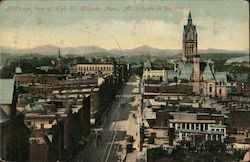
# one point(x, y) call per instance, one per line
point(42, 127)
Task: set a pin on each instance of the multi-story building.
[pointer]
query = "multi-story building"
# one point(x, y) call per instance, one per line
point(14, 135)
point(154, 74)
point(62, 126)
point(51, 79)
point(192, 125)
point(96, 68)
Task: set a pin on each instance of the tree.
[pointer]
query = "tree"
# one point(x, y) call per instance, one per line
point(215, 147)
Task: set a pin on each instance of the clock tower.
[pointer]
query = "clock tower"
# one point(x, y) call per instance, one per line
point(189, 40)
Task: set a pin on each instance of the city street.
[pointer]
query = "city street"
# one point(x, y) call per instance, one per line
point(106, 142)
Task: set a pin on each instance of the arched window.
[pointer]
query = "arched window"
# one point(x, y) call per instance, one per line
point(220, 91)
point(210, 88)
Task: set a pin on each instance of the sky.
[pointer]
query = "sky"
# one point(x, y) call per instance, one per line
point(123, 24)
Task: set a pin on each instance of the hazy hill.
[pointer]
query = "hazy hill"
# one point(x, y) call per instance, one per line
point(53, 50)
point(83, 50)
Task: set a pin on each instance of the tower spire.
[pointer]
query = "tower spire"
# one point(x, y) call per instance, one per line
point(189, 18)
point(59, 54)
point(189, 15)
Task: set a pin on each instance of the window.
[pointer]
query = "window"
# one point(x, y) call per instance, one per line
point(197, 126)
point(202, 127)
point(210, 89)
point(220, 91)
point(219, 137)
point(183, 136)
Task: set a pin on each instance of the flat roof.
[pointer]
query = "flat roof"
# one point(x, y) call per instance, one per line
point(191, 121)
point(201, 132)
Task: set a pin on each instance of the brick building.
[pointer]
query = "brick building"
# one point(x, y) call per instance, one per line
point(101, 68)
point(51, 79)
point(176, 88)
point(60, 131)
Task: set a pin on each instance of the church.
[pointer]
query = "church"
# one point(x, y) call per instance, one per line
point(190, 70)
point(200, 74)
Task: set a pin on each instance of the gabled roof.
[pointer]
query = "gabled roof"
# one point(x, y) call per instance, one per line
point(147, 103)
point(6, 89)
point(147, 64)
point(3, 116)
point(186, 70)
point(171, 74)
point(202, 66)
point(221, 76)
point(208, 73)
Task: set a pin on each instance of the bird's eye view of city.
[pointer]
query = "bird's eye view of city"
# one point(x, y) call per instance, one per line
point(124, 81)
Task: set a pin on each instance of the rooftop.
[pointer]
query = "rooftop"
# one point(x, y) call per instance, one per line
point(6, 89)
point(191, 121)
point(3, 116)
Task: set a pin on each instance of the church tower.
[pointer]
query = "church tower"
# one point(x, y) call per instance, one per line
point(189, 40)
point(196, 74)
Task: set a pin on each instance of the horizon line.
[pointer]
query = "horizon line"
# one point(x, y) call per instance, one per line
point(60, 47)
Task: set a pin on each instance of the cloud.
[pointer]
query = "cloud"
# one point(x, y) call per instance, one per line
point(129, 34)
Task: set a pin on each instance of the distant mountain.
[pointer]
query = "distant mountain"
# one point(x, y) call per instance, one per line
point(212, 50)
point(53, 50)
point(84, 50)
point(147, 50)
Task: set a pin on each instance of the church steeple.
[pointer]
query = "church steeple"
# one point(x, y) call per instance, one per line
point(189, 18)
point(59, 55)
point(189, 43)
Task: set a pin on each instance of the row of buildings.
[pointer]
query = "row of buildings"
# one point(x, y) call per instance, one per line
point(47, 117)
point(193, 102)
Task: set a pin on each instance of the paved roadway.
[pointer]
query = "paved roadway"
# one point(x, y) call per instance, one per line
point(107, 142)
